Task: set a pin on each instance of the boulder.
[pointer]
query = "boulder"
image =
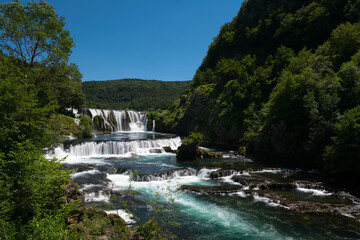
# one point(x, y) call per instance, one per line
point(186, 153)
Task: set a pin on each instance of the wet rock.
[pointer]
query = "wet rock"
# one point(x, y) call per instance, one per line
point(225, 189)
point(168, 149)
point(97, 178)
point(221, 173)
point(202, 153)
point(186, 153)
point(117, 170)
point(155, 151)
point(79, 167)
point(280, 186)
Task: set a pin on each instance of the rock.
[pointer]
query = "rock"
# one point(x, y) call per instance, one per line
point(202, 153)
point(221, 173)
point(168, 149)
point(225, 189)
point(72, 193)
point(186, 153)
point(281, 186)
point(117, 170)
point(155, 151)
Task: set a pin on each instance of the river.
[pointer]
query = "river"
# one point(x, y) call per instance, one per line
point(227, 198)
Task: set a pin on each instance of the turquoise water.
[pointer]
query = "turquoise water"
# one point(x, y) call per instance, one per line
point(202, 216)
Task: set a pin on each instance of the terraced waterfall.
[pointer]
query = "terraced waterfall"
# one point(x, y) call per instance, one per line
point(243, 200)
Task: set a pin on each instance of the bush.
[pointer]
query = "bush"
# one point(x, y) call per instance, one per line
point(194, 139)
point(86, 125)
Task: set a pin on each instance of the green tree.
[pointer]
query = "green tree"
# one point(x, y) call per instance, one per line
point(343, 156)
point(350, 83)
point(344, 43)
point(34, 33)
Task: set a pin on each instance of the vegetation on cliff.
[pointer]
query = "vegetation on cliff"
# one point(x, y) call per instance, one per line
point(142, 95)
point(277, 82)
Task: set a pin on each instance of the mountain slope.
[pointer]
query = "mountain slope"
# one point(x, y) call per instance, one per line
point(141, 95)
point(276, 81)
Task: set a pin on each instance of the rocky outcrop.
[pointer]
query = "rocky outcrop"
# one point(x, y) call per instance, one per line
point(72, 193)
point(186, 153)
point(203, 153)
point(91, 223)
point(279, 191)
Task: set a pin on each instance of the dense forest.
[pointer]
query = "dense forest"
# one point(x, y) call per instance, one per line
point(141, 95)
point(281, 82)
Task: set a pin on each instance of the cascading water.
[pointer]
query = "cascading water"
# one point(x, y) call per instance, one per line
point(115, 120)
point(116, 148)
point(153, 128)
point(209, 202)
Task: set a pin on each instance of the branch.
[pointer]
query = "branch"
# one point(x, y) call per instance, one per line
point(34, 53)
point(12, 49)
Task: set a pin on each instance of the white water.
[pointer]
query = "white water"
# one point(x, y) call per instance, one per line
point(153, 128)
point(116, 148)
point(315, 192)
point(117, 120)
point(203, 211)
point(123, 214)
point(125, 120)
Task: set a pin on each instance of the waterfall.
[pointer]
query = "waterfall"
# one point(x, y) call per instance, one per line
point(143, 147)
point(153, 128)
point(115, 120)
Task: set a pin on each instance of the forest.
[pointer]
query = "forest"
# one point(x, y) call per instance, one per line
point(141, 95)
point(281, 82)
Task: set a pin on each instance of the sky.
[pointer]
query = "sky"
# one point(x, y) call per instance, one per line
point(147, 39)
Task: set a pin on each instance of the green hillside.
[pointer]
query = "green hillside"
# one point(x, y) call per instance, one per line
point(141, 95)
point(281, 82)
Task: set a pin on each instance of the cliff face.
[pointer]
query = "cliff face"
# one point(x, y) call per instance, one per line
point(202, 114)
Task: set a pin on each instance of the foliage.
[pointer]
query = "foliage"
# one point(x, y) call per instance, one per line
point(305, 102)
point(342, 157)
point(34, 33)
point(142, 95)
point(62, 125)
point(36, 82)
point(194, 138)
point(34, 184)
point(16, 98)
point(276, 81)
point(86, 124)
point(93, 223)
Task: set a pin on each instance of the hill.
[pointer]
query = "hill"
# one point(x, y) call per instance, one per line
point(281, 82)
point(141, 95)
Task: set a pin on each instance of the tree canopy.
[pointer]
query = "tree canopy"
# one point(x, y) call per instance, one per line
point(277, 82)
point(34, 33)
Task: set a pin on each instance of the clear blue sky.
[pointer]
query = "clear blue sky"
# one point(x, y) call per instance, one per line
point(148, 39)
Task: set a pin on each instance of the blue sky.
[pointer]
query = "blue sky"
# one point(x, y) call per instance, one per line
point(147, 39)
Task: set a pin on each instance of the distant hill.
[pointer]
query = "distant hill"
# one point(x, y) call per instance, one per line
point(138, 94)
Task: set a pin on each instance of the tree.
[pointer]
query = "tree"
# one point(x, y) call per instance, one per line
point(343, 156)
point(34, 33)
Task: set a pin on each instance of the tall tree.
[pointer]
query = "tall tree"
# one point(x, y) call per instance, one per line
point(34, 33)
